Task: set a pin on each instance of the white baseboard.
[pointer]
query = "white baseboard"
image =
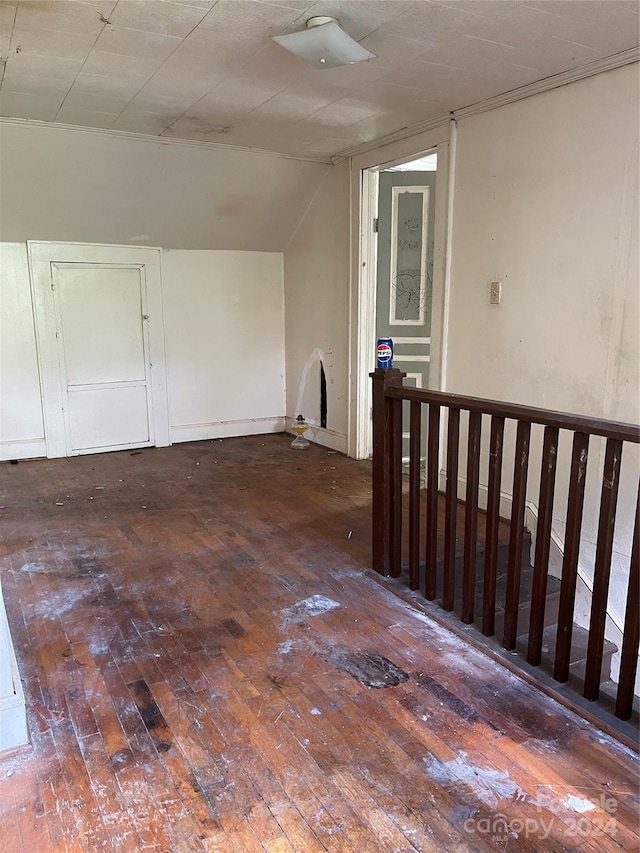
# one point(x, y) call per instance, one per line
point(226, 429)
point(29, 448)
point(323, 436)
point(13, 715)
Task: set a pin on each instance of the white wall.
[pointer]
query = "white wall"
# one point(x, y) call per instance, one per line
point(21, 422)
point(224, 335)
point(224, 321)
point(546, 200)
point(316, 269)
point(224, 308)
point(87, 186)
point(543, 200)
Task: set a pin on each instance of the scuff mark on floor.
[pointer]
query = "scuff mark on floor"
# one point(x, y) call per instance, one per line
point(87, 565)
point(446, 697)
point(544, 746)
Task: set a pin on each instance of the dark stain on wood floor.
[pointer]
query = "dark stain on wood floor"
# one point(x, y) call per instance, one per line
point(197, 642)
point(372, 670)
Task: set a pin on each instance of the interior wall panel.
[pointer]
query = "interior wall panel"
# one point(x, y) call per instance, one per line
point(21, 418)
point(224, 320)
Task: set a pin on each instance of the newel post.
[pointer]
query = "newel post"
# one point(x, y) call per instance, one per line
point(387, 473)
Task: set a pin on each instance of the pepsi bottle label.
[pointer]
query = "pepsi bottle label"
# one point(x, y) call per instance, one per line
point(384, 353)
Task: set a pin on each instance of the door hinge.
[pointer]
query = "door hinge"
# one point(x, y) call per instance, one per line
point(376, 222)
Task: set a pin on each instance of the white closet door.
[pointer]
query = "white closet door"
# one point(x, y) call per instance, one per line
point(103, 356)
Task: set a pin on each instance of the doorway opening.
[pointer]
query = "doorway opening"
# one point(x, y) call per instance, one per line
point(404, 268)
point(402, 216)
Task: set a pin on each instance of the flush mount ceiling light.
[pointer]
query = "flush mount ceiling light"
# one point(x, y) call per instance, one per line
point(324, 44)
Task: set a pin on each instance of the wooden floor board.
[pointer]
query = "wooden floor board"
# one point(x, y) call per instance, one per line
point(197, 639)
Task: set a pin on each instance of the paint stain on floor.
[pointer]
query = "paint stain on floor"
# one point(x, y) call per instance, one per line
point(488, 785)
point(315, 605)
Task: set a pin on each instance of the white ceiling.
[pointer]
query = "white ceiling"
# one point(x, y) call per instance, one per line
point(207, 70)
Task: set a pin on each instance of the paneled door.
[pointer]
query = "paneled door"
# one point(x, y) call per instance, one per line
point(406, 216)
point(406, 208)
point(101, 352)
point(103, 356)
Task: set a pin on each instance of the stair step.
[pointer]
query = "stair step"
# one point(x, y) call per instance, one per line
point(578, 655)
point(501, 570)
point(552, 601)
point(579, 640)
point(551, 609)
point(609, 689)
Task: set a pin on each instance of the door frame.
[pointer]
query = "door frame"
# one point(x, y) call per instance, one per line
point(41, 256)
point(364, 202)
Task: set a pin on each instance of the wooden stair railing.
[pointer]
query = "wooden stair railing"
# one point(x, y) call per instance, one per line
point(387, 499)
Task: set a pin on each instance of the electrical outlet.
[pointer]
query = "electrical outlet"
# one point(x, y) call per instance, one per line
point(495, 292)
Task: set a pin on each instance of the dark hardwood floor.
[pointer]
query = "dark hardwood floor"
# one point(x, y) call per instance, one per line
point(207, 667)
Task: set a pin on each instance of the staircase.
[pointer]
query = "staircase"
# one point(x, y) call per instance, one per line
point(579, 637)
point(450, 548)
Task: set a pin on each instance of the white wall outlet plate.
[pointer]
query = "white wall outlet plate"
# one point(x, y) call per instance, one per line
point(495, 292)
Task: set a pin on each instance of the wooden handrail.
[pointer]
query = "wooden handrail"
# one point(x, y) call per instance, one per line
point(561, 420)
point(424, 428)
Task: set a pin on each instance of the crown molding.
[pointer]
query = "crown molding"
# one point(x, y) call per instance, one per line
point(396, 136)
point(546, 84)
point(609, 63)
point(158, 140)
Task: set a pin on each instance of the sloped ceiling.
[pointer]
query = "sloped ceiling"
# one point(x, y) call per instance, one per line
point(207, 70)
point(83, 187)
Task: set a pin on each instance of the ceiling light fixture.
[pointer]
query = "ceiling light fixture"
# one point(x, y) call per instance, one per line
point(324, 44)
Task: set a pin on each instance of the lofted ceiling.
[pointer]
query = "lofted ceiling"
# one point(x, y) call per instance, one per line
point(207, 70)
